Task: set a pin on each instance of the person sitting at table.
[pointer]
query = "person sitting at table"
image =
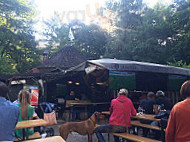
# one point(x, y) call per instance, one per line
point(26, 111)
point(178, 127)
point(149, 107)
point(72, 96)
point(9, 115)
point(162, 100)
point(35, 116)
point(120, 111)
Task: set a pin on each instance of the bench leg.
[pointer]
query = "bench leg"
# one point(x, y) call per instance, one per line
point(108, 137)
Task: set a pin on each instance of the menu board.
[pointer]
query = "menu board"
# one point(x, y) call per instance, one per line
point(35, 95)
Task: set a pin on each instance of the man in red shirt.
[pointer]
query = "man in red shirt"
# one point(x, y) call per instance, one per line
point(178, 128)
point(120, 112)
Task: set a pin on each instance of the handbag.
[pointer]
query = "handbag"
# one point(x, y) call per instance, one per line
point(50, 118)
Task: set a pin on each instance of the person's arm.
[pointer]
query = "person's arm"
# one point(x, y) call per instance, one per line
point(30, 112)
point(77, 99)
point(171, 126)
point(17, 115)
point(155, 108)
point(35, 116)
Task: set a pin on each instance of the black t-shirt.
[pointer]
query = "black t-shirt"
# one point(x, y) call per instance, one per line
point(147, 105)
point(69, 97)
point(165, 102)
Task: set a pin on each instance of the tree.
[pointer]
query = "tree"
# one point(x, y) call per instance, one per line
point(181, 22)
point(89, 39)
point(163, 35)
point(17, 43)
point(127, 19)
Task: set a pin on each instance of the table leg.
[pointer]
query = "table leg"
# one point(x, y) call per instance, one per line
point(23, 134)
point(73, 113)
point(85, 111)
point(70, 114)
point(27, 135)
point(108, 137)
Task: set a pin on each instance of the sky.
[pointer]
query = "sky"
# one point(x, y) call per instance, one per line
point(68, 10)
point(47, 7)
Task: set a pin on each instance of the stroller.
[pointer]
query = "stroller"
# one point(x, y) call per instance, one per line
point(45, 107)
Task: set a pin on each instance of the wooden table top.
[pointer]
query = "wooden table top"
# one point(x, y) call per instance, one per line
point(105, 112)
point(149, 117)
point(31, 123)
point(48, 139)
point(85, 103)
point(68, 102)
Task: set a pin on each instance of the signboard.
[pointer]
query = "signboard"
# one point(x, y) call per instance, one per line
point(118, 80)
point(35, 95)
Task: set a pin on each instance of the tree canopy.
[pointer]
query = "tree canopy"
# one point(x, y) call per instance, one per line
point(135, 32)
point(17, 43)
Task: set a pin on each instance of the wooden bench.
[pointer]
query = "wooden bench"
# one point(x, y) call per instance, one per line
point(68, 102)
point(139, 124)
point(133, 137)
point(49, 139)
point(36, 135)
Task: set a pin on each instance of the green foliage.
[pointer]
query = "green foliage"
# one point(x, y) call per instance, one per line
point(127, 18)
point(6, 67)
point(160, 34)
point(17, 43)
point(91, 40)
point(56, 34)
point(179, 64)
point(156, 35)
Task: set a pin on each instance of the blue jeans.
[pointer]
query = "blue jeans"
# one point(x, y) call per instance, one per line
point(108, 129)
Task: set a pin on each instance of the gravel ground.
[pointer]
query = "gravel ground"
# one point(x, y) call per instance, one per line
point(75, 137)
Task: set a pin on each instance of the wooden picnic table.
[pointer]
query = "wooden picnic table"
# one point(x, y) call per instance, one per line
point(49, 139)
point(149, 117)
point(105, 112)
point(68, 102)
point(84, 105)
point(31, 123)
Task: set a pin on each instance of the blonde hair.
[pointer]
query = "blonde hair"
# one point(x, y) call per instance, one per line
point(123, 92)
point(24, 100)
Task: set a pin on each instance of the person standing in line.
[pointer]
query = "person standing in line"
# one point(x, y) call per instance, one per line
point(9, 114)
point(178, 128)
point(120, 112)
